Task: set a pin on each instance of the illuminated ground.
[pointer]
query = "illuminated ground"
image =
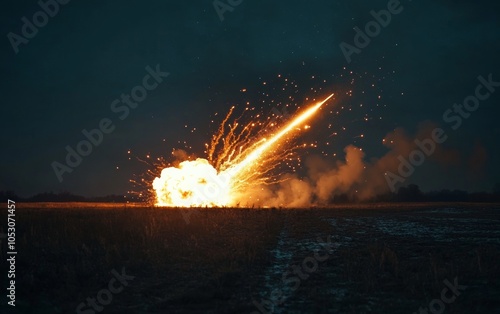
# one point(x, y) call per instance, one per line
point(383, 258)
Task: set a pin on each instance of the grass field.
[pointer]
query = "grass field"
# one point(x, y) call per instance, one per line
point(389, 258)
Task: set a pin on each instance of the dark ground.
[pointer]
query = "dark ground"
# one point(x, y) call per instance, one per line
point(391, 258)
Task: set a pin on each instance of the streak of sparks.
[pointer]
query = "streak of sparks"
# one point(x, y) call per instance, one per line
point(222, 181)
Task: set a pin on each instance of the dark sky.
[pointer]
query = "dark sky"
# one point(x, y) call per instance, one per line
point(65, 78)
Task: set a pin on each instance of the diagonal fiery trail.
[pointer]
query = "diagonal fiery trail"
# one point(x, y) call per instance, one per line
point(199, 183)
point(262, 149)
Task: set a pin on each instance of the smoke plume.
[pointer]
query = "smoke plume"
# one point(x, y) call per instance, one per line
point(354, 176)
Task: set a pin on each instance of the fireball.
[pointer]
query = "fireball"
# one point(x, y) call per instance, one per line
point(241, 163)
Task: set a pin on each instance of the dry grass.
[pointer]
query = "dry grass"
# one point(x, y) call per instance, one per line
point(216, 262)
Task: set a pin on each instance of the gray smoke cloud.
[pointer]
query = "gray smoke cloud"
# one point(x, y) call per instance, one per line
point(353, 176)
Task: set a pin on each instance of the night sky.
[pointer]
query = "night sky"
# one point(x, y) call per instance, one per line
point(267, 53)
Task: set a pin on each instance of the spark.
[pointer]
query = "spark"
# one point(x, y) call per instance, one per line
point(234, 163)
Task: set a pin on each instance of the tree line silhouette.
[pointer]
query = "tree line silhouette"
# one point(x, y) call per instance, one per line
point(410, 193)
point(60, 197)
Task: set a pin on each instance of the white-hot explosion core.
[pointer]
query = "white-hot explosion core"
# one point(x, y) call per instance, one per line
point(224, 181)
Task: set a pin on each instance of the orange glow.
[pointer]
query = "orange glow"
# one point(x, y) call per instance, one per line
point(240, 163)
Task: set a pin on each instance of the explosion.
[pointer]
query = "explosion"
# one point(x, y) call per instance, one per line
point(241, 163)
